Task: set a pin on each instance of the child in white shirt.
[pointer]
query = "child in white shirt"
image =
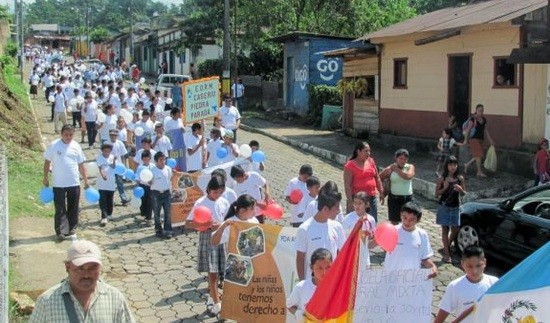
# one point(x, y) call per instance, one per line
point(297, 183)
point(105, 183)
point(161, 191)
point(160, 142)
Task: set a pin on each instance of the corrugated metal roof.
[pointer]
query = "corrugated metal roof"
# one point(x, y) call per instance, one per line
point(469, 15)
point(293, 36)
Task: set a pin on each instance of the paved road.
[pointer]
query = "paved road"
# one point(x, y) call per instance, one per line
point(159, 276)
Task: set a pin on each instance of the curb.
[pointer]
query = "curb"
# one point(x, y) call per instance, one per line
point(421, 187)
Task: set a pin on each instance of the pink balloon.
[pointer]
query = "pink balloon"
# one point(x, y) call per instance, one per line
point(202, 215)
point(274, 211)
point(386, 236)
point(296, 196)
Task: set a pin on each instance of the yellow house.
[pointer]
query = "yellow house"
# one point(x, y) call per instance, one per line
point(447, 61)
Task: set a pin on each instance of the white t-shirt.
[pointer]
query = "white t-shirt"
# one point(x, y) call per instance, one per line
point(65, 159)
point(90, 111)
point(349, 221)
point(296, 184)
point(108, 124)
point(163, 144)
point(230, 195)
point(412, 247)
point(161, 178)
point(231, 149)
point(218, 208)
point(226, 231)
point(452, 142)
point(105, 164)
point(306, 200)
point(313, 235)
point(194, 161)
point(229, 117)
point(59, 104)
point(461, 294)
point(119, 149)
point(300, 296)
point(240, 90)
point(137, 157)
point(251, 186)
point(148, 127)
point(123, 135)
point(212, 150)
point(170, 124)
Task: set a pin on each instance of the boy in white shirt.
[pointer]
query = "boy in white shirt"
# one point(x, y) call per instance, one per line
point(160, 142)
point(298, 183)
point(212, 148)
point(313, 186)
point(146, 207)
point(319, 232)
point(119, 152)
point(105, 182)
point(161, 192)
point(194, 144)
point(146, 144)
point(250, 183)
point(413, 248)
point(463, 292)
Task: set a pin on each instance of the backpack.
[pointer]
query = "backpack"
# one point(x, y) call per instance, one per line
point(466, 127)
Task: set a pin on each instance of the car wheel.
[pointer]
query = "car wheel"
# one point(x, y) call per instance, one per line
point(543, 210)
point(467, 236)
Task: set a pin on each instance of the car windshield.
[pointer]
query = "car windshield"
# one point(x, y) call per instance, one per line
point(172, 79)
point(540, 196)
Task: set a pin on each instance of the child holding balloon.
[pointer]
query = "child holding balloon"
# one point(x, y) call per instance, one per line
point(161, 192)
point(146, 207)
point(206, 216)
point(295, 191)
point(105, 183)
point(320, 263)
point(253, 184)
point(161, 142)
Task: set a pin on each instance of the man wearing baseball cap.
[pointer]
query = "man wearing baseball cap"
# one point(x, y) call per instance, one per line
point(82, 297)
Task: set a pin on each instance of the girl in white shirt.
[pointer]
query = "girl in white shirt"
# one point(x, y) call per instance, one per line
point(321, 260)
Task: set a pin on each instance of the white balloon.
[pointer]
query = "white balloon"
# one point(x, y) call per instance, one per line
point(72, 103)
point(91, 169)
point(169, 101)
point(146, 175)
point(138, 131)
point(142, 80)
point(101, 117)
point(135, 202)
point(51, 99)
point(126, 115)
point(245, 150)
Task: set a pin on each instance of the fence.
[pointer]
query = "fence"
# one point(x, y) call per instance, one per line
point(262, 94)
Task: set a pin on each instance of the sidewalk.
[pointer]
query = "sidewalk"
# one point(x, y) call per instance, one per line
point(337, 147)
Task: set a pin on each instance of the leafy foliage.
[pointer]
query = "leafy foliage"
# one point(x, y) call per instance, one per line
point(424, 6)
point(99, 35)
point(11, 48)
point(320, 95)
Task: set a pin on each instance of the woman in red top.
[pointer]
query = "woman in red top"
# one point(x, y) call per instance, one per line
point(542, 159)
point(361, 174)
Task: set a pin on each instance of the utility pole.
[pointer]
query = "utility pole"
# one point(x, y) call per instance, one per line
point(235, 68)
point(131, 60)
point(226, 81)
point(21, 40)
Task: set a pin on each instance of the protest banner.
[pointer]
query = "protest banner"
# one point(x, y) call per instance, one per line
point(260, 272)
point(178, 148)
point(201, 99)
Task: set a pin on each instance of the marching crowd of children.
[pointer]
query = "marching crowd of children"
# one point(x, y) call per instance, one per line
point(132, 125)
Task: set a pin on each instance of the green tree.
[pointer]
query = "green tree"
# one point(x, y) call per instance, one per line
point(424, 6)
point(99, 35)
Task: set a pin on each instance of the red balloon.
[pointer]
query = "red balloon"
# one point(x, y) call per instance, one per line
point(202, 214)
point(274, 211)
point(386, 236)
point(296, 196)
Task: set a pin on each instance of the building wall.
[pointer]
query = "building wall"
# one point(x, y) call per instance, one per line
point(404, 111)
point(361, 67)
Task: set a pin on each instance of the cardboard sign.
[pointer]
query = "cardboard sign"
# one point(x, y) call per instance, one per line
point(201, 99)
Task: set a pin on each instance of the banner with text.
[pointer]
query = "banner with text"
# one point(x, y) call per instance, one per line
point(260, 273)
point(201, 99)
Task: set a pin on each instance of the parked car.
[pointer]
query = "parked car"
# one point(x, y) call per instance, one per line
point(508, 229)
point(166, 81)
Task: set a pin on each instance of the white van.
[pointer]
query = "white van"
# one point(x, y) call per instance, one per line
point(166, 81)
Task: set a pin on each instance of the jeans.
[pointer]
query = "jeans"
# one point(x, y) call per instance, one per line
point(91, 131)
point(120, 188)
point(239, 103)
point(66, 209)
point(106, 203)
point(162, 200)
point(146, 207)
point(374, 207)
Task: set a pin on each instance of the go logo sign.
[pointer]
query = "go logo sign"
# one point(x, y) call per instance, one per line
point(327, 68)
point(300, 76)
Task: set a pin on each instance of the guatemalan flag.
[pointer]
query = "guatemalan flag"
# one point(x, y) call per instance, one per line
point(522, 295)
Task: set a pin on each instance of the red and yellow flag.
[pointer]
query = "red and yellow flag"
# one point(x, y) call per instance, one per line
point(334, 298)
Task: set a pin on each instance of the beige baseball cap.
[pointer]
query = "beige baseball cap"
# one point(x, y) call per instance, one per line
point(82, 252)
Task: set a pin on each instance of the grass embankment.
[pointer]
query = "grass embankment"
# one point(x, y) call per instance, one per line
point(18, 133)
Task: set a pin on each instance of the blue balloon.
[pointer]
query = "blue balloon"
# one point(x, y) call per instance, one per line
point(222, 152)
point(171, 162)
point(139, 192)
point(92, 195)
point(120, 169)
point(46, 195)
point(129, 174)
point(258, 156)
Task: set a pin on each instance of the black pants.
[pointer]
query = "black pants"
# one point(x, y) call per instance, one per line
point(91, 131)
point(48, 91)
point(106, 203)
point(146, 208)
point(395, 202)
point(76, 119)
point(66, 208)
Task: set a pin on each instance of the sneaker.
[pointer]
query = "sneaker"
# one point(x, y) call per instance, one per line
point(109, 217)
point(158, 234)
point(103, 222)
point(214, 310)
point(168, 236)
point(60, 238)
point(71, 237)
point(149, 222)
